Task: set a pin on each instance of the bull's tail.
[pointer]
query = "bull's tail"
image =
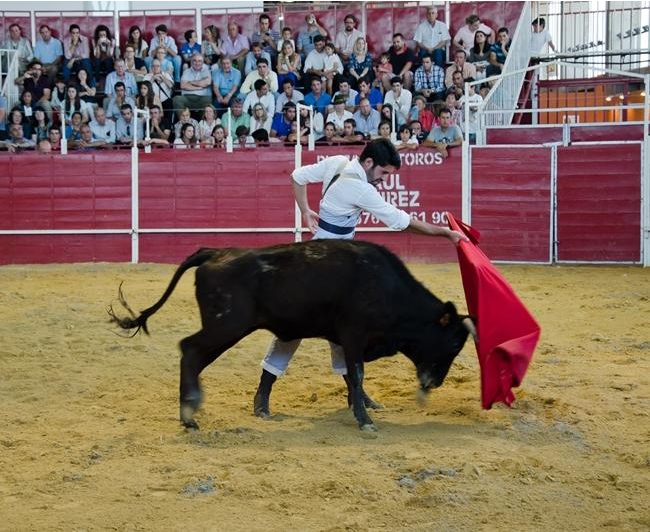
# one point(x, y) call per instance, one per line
point(140, 322)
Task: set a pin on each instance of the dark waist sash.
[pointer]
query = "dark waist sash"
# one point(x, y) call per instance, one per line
point(335, 229)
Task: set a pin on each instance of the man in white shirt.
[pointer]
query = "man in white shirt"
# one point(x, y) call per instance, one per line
point(120, 74)
point(196, 86)
point(349, 187)
point(102, 128)
point(289, 94)
point(314, 66)
point(432, 37)
point(400, 99)
point(464, 38)
point(540, 37)
point(344, 41)
point(261, 95)
point(263, 72)
point(162, 40)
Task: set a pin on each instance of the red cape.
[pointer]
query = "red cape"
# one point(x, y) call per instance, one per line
point(507, 332)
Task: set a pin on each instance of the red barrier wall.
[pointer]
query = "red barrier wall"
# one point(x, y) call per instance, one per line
point(540, 135)
point(511, 202)
point(598, 208)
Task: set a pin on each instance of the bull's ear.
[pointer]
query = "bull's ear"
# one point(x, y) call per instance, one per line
point(449, 314)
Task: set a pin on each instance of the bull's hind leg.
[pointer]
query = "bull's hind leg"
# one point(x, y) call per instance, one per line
point(198, 351)
point(355, 377)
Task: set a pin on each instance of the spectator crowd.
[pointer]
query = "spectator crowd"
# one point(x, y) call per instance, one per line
point(200, 92)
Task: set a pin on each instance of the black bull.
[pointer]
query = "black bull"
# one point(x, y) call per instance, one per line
point(356, 294)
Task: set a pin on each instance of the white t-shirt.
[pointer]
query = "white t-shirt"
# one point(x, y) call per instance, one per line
point(538, 41)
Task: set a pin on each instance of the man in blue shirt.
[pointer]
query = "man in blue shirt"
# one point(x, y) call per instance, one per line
point(317, 98)
point(281, 126)
point(49, 51)
point(225, 84)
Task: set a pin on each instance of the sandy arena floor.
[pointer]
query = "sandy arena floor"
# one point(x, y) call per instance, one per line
point(90, 438)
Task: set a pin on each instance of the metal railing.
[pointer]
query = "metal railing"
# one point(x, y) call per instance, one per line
point(8, 75)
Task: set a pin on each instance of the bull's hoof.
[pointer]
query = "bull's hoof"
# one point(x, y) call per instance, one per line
point(191, 425)
point(187, 415)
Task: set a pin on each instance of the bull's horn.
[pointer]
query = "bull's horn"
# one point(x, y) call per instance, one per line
point(469, 325)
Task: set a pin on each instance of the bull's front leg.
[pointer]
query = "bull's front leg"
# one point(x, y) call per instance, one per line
point(355, 386)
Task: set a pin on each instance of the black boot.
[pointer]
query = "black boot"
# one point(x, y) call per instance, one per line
point(261, 401)
point(368, 401)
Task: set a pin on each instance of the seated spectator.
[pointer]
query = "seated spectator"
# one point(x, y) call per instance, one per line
point(101, 127)
point(256, 52)
point(237, 116)
point(211, 45)
point(103, 51)
point(459, 65)
point(196, 86)
point(445, 135)
point(243, 138)
point(189, 48)
point(316, 122)
point(417, 131)
point(160, 128)
point(17, 141)
point(260, 118)
point(39, 85)
point(307, 38)
point(384, 130)
point(329, 135)
point(187, 138)
point(367, 119)
point(134, 65)
point(87, 88)
point(87, 141)
point(458, 84)
point(452, 104)
point(332, 67)
point(261, 95)
point(49, 51)
point(263, 72)
point(55, 137)
point(479, 54)
point(40, 125)
point(120, 74)
point(469, 104)
point(22, 45)
point(73, 129)
point(381, 69)
point(137, 42)
point(400, 99)
point(58, 93)
point(286, 35)
point(44, 146)
point(346, 38)
point(166, 64)
point(405, 139)
point(429, 80)
point(281, 126)
point(314, 65)
point(289, 94)
point(16, 116)
point(146, 97)
point(73, 103)
point(162, 85)
point(432, 37)
point(225, 84)
point(166, 42)
point(350, 134)
point(421, 114)
point(288, 64)
point(113, 105)
point(25, 105)
point(366, 90)
point(348, 93)
point(498, 53)
point(401, 59)
point(218, 139)
point(207, 123)
point(339, 114)
point(76, 50)
point(268, 37)
point(261, 137)
point(360, 63)
point(184, 117)
point(126, 125)
point(235, 46)
point(317, 98)
point(464, 38)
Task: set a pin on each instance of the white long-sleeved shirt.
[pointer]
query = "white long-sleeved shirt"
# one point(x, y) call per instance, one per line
point(348, 196)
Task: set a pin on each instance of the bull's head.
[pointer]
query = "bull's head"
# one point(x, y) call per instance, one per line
point(439, 345)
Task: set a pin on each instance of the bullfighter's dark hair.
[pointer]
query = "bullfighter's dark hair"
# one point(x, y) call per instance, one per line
point(382, 152)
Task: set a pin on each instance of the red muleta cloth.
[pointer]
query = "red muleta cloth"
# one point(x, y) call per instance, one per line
point(507, 332)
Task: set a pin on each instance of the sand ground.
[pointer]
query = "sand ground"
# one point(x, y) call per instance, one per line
point(90, 438)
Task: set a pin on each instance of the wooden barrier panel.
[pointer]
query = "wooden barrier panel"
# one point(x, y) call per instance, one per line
point(598, 205)
point(511, 202)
